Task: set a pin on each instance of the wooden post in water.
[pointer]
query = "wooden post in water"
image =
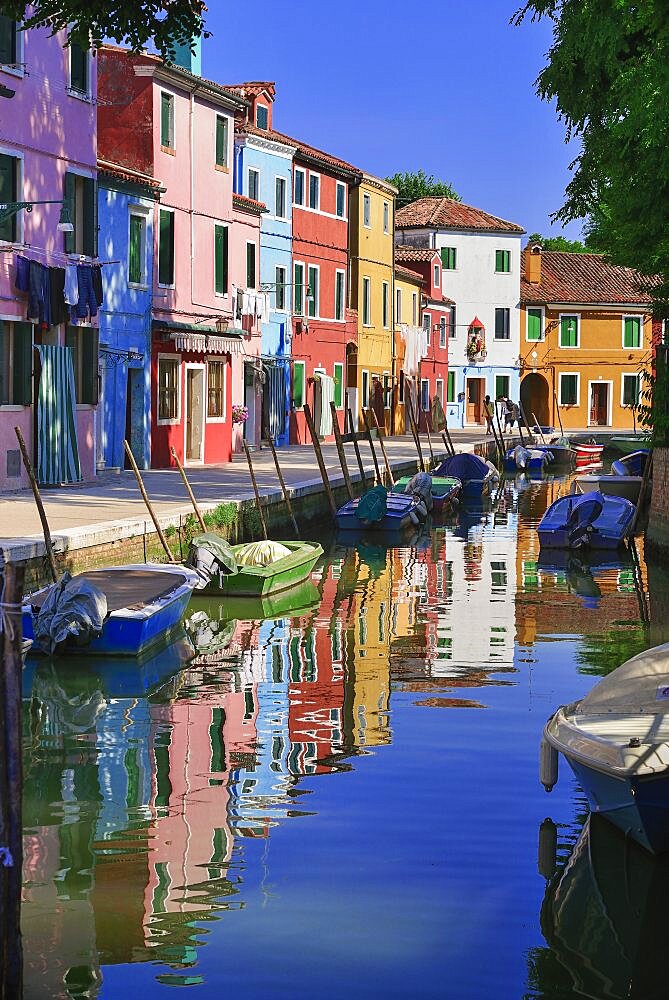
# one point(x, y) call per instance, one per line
point(38, 500)
point(530, 433)
point(352, 432)
point(255, 491)
point(557, 410)
point(11, 783)
point(189, 490)
point(643, 490)
point(499, 428)
point(145, 497)
point(319, 458)
point(429, 439)
point(284, 488)
point(340, 450)
point(408, 405)
point(389, 473)
point(368, 432)
point(446, 435)
point(534, 417)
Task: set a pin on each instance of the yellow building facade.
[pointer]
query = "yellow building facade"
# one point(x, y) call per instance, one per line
point(585, 341)
point(371, 240)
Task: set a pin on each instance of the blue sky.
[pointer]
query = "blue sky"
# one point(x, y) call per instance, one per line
point(388, 87)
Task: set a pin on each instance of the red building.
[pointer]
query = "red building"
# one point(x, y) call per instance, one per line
point(438, 318)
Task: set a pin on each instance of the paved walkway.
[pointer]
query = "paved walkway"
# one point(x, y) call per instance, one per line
point(112, 507)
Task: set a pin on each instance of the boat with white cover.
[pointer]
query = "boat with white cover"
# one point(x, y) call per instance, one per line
point(616, 740)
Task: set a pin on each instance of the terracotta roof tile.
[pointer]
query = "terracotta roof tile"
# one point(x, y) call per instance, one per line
point(443, 301)
point(584, 278)
point(126, 174)
point(407, 254)
point(253, 87)
point(241, 201)
point(445, 213)
point(405, 272)
point(310, 151)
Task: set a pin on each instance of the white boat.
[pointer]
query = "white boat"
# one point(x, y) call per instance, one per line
point(616, 741)
point(627, 487)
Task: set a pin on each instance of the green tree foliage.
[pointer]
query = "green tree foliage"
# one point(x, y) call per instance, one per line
point(134, 23)
point(412, 186)
point(608, 71)
point(559, 243)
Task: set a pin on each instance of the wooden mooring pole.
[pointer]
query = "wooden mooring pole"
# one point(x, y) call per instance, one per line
point(282, 482)
point(189, 490)
point(429, 440)
point(261, 514)
point(38, 500)
point(340, 451)
point(149, 507)
point(352, 432)
point(11, 783)
point(319, 458)
point(379, 435)
point(408, 406)
point(370, 440)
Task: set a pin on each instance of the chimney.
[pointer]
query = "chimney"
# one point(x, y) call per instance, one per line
point(188, 55)
point(533, 263)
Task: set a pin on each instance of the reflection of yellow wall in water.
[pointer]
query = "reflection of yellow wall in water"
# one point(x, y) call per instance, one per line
point(371, 633)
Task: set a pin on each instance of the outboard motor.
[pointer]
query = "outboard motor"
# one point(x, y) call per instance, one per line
point(73, 614)
point(580, 523)
point(420, 488)
point(521, 457)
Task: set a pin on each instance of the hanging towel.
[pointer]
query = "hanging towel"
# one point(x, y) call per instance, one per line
point(71, 285)
point(327, 396)
point(39, 294)
point(22, 280)
point(57, 448)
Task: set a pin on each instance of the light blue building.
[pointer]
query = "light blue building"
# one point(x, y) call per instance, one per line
point(125, 219)
point(263, 171)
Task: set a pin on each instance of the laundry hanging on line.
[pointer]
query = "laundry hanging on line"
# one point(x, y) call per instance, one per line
point(59, 294)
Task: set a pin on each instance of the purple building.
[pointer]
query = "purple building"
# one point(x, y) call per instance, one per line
point(49, 288)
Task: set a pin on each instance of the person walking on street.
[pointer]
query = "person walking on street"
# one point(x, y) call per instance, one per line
point(508, 415)
point(489, 411)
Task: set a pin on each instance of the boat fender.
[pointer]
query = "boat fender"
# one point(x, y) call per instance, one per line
point(547, 855)
point(548, 765)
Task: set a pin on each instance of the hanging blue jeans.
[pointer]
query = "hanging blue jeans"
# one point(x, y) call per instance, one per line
point(87, 299)
point(39, 294)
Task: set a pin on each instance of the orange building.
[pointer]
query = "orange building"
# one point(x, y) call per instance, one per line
point(585, 340)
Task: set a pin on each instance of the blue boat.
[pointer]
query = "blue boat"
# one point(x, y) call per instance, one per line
point(593, 520)
point(144, 605)
point(521, 459)
point(476, 475)
point(445, 492)
point(393, 513)
point(633, 464)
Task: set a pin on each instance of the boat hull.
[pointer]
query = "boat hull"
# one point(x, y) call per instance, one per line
point(626, 445)
point(401, 515)
point(607, 531)
point(627, 487)
point(265, 581)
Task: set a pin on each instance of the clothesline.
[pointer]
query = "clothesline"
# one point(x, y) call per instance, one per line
point(65, 258)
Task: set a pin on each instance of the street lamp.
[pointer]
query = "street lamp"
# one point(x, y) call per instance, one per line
point(10, 208)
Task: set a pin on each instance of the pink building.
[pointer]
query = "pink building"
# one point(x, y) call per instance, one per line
point(247, 371)
point(170, 123)
point(47, 154)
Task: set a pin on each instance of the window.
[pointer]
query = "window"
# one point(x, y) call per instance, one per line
point(341, 200)
point(387, 391)
point(221, 260)
point(168, 388)
point(262, 116)
point(340, 286)
point(386, 217)
point(216, 389)
point(221, 141)
point(312, 297)
point(450, 388)
point(280, 198)
point(81, 197)
point(166, 247)
point(9, 191)
point(338, 385)
point(424, 394)
point(502, 324)
point(366, 302)
point(367, 211)
point(137, 250)
point(78, 69)
point(400, 388)
point(568, 389)
point(436, 275)
point(631, 390)
point(503, 261)
point(440, 390)
point(385, 295)
point(442, 332)
point(254, 184)
point(314, 191)
point(250, 265)
point(502, 386)
point(365, 390)
point(280, 287)
point(398, 305)
point(414, 308)
point(298, 195)
point(452, 330)
point(16, 363)
point(427, 321)
point(535, 324)
point(167, 120)
point(568, 331)
point(298, 384)
point(298, 294)
point(632, 332)
point(84, 344)
point(448, 258)
point(9, 47)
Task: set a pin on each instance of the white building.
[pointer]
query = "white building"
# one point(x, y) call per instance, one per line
point(481, 269)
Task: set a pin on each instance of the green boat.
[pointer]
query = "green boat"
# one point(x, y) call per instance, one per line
point(261, 581)
point(301, 599)
point(627, 443)
point(445, 491)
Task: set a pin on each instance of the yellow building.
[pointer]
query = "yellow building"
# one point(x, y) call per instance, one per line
point(408, 326)
point(371, 236)
point(585, 340)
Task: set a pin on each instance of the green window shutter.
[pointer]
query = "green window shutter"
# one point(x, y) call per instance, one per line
point(7, 40)
point(221, 141)
point(166, 248)
point(450, 388)
point(568, 390)
point(69, 197)
point(338, 385)
point(250, 265)
point(448, 258)
point(313, 291)
point(89, 366)
point(8, 192)
point(90, 241)
point(78, 68)
point(534, 324)
point(166, 120)
point(338, 296)
point(221, 259)
point(298, 385)
point(22, 381)
point(299, 289)
point(135, 250)
point(632, 337)
point(568, 331)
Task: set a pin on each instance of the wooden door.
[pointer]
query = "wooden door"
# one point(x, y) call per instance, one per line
point(473, 401)
point(599, 404)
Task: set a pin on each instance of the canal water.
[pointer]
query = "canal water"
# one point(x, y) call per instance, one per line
point(342, 800)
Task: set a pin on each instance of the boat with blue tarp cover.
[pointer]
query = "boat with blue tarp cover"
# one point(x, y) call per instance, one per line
point(381, 511)
point(633, 464)
point(521, 459)
point(592, 520)
point(476, 475)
